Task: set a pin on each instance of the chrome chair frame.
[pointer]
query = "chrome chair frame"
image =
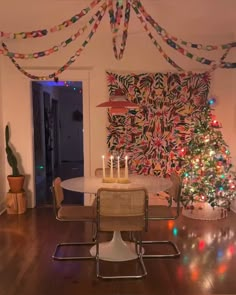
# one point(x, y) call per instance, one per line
point(138, 245)
point(174, 193)
point(56, 208)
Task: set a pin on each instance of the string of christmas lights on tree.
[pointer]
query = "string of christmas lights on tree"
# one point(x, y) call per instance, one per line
point(206, 165)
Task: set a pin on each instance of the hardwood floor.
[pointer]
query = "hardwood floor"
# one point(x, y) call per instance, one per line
point(207, 264)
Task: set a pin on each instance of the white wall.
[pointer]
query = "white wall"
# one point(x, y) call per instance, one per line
point(223, 88)
point(2, 154)
point(90, 67)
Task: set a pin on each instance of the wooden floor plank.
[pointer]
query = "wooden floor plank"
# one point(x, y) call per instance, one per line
point(207, 264)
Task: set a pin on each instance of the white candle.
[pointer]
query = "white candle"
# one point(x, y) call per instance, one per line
point(103, 167)
point(126, 166)
point(111, 171)
point(118, 167)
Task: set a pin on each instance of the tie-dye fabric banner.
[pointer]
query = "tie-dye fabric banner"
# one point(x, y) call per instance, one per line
point(153, 135)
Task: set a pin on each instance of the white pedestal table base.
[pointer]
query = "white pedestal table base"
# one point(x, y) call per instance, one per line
point(116, 250)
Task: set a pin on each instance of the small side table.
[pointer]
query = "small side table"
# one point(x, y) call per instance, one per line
point(16, 203)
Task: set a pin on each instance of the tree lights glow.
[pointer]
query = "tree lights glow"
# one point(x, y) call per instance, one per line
point(206, 165)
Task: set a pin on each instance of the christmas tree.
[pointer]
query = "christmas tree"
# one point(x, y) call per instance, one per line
point(206, 165)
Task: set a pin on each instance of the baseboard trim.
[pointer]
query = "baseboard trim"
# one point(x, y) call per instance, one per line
point(233, 209)
point(2, 207)
point(233, 206)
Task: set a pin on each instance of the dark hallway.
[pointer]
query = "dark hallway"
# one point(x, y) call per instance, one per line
point(58, 135)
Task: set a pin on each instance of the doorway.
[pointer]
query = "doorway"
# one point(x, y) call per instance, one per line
point(58, 135)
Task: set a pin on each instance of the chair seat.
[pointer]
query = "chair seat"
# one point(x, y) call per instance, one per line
point(122, 210)
point(67, 212)
point(121, 223)
point(72, 212)
point(163, 194)
point(160, 211)
point(165, 206)
point(160, 199)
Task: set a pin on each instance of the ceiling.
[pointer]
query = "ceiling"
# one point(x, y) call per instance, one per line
point(201, 17)
point(197, 21)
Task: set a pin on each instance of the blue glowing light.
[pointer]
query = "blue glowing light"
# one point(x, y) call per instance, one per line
point(220, 253)
point(185, 260)
point(40, 167)
point(212, 101)
point(175, 231)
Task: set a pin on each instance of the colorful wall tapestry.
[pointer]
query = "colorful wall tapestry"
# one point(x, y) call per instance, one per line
point(154, 135)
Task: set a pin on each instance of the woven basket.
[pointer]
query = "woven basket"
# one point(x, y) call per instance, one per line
point(204, 211)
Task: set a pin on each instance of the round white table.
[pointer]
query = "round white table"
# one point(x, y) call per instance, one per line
point(117, 249)
point(91, 184)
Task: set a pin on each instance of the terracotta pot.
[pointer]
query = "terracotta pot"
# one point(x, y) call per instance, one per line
point(16, 183)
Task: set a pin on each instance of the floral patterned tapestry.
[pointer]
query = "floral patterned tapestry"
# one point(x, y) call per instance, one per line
point(154, 135)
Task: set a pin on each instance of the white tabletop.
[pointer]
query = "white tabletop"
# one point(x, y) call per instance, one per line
point(90, 185)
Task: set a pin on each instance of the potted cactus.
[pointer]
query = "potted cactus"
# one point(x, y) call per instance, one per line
point(15, 180)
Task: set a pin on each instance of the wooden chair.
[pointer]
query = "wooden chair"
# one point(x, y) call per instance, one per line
point(74, 213)
point(122, 210)
point(162, 212)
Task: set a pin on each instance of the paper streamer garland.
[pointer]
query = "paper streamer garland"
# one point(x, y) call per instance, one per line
point(52, 50)
point(44, 32)
point(115, 19)
point(167, 58)
point(154, 41)
point(77, 17)
point(167, 39)
point(100, 13)
point(138, 8)
point(115, 23)
point(199, 46)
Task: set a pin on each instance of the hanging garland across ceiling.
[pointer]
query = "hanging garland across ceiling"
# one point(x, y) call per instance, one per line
point(116, 12)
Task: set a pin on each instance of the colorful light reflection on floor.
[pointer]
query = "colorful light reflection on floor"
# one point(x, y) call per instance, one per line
point(217, 245)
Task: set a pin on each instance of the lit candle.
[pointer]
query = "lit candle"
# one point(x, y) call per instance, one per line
point(103, 167)
point(118, 167)
point(126, 166)
point(111, 171)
